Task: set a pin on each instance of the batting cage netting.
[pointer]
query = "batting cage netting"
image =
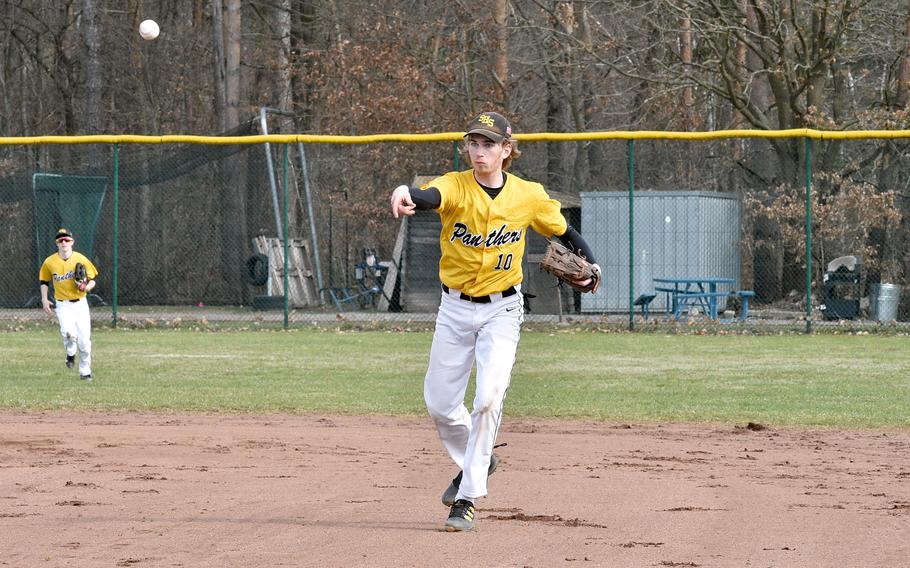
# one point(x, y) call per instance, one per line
point(745, 229)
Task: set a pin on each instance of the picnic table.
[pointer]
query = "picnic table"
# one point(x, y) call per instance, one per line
point(688, 292)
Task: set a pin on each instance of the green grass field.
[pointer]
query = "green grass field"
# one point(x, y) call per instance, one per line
point(798, 380)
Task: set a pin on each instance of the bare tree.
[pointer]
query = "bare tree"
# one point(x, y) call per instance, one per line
point(794, 48)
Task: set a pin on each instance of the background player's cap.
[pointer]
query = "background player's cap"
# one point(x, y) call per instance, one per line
point(63, 233)
point(492, 125)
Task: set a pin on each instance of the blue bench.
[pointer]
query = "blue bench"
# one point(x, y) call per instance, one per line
point(671, 297)
point(705, 300)
point(744, 295)
point(644, 300)
point(678, 299)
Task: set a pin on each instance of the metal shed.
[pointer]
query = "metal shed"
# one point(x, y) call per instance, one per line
point(676, 234)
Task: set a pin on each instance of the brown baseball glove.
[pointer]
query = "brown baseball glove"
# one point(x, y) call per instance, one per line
point(80, 276)
point(570, 268)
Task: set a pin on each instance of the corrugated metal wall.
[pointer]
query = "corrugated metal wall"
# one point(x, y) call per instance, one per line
point(677, 234)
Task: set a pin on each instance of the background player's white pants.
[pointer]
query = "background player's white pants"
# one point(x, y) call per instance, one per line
point(465, 332)
point(76, 329)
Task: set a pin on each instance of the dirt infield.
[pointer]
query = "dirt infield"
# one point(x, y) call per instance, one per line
point(197, 490)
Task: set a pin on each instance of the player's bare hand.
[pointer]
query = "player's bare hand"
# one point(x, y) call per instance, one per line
point(46, 305)
point(401, 201)
point(600, 278)
point(587, 281)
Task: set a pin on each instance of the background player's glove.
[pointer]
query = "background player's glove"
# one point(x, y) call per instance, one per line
point(80, 276)
point(570, 268)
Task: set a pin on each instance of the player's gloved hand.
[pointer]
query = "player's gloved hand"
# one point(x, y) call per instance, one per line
point(570, 268)
point(81, 277)
point(402, 204)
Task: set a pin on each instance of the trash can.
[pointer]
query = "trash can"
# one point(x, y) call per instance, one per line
point(883, 301)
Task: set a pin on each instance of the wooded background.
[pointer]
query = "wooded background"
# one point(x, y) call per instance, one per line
point(360, 67)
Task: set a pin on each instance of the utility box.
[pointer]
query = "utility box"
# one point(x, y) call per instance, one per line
point(677, 234)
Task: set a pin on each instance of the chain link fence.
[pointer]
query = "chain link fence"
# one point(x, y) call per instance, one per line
point(279, 230)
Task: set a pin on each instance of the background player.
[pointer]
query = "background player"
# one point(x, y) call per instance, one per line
point(485, 214)
point(71, 303)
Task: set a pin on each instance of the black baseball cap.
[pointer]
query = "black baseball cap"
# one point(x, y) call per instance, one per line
point(492, 125)
point(61, 232)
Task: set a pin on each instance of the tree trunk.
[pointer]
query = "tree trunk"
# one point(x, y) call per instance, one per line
point(500, 50)
point(903, 75)
point(198, 13)
point(94, 80)
point(555, 153)
point(232, 37)
point(226, 20)
point(687, 174)
point(685, 54)
point(558, 85)
point(596, 154)
point(93, 68)
point(218, 51)
point(284, 97)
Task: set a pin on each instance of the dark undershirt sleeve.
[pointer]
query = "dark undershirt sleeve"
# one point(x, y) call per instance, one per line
point(428, 198)
point(573, 240)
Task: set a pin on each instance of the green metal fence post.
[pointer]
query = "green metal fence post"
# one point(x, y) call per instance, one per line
point(116, 234)
point(287, 279)
point(808, 144)
point(631, 161)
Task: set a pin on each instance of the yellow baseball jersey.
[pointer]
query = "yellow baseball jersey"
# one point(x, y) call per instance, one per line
point(483, 239)
point(60, 272)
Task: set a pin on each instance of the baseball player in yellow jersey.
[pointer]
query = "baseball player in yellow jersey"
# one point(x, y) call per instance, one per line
point(485, 215)
point(71, 306)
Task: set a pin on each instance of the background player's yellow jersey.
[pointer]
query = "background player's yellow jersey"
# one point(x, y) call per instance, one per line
point(60, 273)
point(483, 239)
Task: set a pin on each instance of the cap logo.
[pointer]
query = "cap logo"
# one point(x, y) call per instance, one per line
point(486, 120)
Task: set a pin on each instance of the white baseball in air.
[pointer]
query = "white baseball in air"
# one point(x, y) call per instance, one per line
point(148, 29)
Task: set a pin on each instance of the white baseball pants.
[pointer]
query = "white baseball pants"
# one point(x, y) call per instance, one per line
point(76, 329)
point(468, 332)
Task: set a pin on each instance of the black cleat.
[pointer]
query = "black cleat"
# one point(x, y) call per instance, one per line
point(70, 361)
point(461, 517)
point(86, 378)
